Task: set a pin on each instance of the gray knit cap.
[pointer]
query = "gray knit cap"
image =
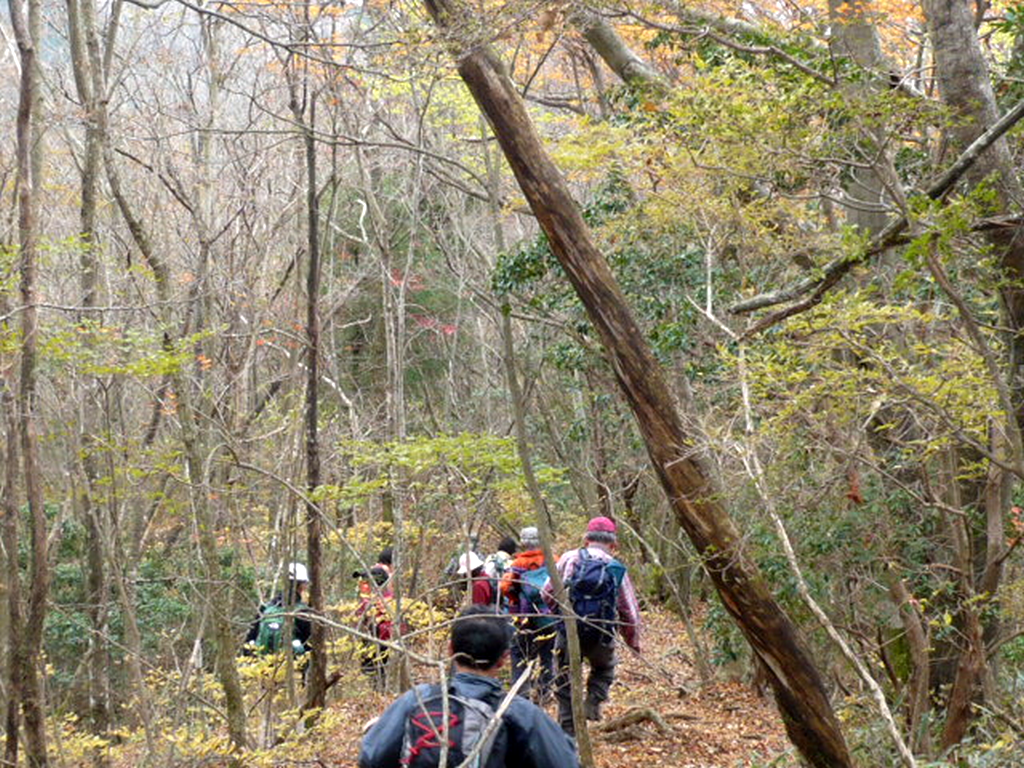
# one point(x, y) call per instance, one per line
point(528, 538)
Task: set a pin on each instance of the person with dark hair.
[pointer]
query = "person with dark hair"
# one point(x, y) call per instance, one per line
point(496, 563)
point(508, 546)
point(601, 595)
point(386, 557)
point(374, 618)
point(409, 731)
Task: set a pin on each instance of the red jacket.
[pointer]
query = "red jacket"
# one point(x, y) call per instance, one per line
point(483, 592)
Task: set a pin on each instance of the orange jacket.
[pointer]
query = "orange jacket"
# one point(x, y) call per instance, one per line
point(526, 561)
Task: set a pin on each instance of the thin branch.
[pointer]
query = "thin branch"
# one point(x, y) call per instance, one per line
point(759, 50)
point(1010, 426)
point(827, 276)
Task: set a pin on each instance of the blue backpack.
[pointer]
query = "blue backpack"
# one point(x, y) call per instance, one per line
point(594, 592)
point(530, 600)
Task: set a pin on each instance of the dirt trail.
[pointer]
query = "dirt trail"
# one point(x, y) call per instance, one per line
point(723, 725)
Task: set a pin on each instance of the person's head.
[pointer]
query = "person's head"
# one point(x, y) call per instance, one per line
point(298, 579)
point(470, 563)
point(529, 538)
point(602, 530)
point(480, 640)
point(386, 556)
point(507, 545)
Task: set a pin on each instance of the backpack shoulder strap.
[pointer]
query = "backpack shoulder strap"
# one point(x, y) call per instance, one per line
point(582, 556)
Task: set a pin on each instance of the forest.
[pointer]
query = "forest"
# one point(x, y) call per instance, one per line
point(286, 284)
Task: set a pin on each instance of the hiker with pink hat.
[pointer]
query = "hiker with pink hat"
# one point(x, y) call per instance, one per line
point(603, 599)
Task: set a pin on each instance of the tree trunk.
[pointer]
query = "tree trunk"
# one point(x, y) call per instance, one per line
point(918, 641)
point(798, 687)
point(85, 61)
point(865, 198)
point(15, 618)
point(615, 52)
point(518, 401)
point(221, 632)
point(26, 22)
point(547, 544)
point(316, 689)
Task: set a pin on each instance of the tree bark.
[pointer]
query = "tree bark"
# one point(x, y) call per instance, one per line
point(85, 62)
point(191, 438)
point(799, 690)
point(577, 690)
point(25, 17)
point(866, 200)
point(518, 402)
point(918, 642)
point(316, 690)
point(613, 50)
point(16, 618)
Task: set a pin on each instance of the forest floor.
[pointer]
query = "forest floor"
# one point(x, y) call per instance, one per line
point(720, 725)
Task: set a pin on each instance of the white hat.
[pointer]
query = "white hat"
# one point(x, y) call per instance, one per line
point(298, 572)
point(469, 562)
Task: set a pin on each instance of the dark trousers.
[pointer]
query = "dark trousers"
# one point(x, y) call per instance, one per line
point(373, 659)
point(529, 644)
point(600, 655)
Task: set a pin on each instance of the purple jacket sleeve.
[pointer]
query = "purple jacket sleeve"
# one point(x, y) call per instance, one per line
point(629, 614)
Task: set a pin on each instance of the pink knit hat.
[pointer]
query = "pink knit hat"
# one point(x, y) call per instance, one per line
point(601, 525)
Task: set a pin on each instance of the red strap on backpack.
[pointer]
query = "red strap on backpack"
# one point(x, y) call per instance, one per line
point(430, 738)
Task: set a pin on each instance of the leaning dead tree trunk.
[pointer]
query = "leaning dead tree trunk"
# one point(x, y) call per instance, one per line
point(798, 688)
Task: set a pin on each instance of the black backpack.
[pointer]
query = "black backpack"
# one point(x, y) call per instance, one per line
point(468, 721)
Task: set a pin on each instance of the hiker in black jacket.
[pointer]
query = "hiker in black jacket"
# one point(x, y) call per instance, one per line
point(288, 601)
point(526, 738)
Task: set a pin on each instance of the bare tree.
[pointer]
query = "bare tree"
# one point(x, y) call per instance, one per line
point(26, 19)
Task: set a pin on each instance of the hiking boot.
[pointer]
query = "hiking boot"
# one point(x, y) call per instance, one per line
point(592, 709)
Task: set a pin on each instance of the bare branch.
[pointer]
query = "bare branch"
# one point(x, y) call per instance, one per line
point(824, 278)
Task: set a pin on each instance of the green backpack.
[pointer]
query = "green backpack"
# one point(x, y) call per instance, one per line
point(272, 623)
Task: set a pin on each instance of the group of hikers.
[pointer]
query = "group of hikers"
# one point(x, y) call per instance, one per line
point(514, 617)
